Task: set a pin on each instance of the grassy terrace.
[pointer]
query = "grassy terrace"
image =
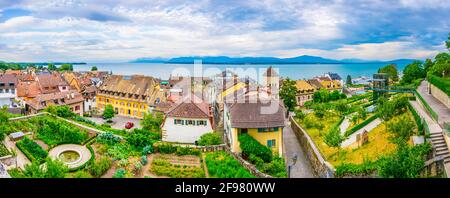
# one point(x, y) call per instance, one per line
point(379, 140)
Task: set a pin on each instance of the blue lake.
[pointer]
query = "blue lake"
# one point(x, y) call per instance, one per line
point(294, 71)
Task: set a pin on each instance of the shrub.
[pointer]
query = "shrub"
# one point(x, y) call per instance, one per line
point(276, 168)
point(222, 165)
point(107, 138)
point(32, 150)
point(120, 173)
point(251, 146)
point(166, 148)
point(147, 150)
point(141, 138)
point(82, 174)
point(210, 139)
point(144, 160)
point(100, 166)
point(3, 150)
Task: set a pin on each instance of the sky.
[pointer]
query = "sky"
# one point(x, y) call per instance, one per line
point(123, 30)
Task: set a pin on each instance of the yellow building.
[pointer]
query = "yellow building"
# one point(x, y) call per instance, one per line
point(130, 96)
point(262, 120)
point(305, 92)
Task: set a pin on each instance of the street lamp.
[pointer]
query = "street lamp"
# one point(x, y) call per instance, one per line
point(294, 160)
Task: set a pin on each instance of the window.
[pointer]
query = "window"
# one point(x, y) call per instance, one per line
point(271, 143)
point(77, 108)
point(190, 122)
point(177, 121)
point(272, 129)
point(201, 122)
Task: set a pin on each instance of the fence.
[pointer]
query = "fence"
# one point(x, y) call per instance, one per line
point(321, 168)
point(427, 106)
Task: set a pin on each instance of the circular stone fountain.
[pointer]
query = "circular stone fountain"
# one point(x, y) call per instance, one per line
point(72, 155)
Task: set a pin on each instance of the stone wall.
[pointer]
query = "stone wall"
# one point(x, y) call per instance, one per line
point(440, 95)
point(321, 168)
point(248, 165)
point(8, 160)
point(434, 168)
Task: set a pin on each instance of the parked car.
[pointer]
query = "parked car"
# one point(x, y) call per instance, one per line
point(129, 125)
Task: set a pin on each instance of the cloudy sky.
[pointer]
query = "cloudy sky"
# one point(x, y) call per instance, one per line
point(122, 30)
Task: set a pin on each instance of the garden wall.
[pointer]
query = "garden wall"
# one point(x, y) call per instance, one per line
point(8, 160)
point(247, 165)
point(321, 168)
point(434, 168)
point(440, 95)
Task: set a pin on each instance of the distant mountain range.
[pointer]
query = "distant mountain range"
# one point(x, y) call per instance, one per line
point(305, 59)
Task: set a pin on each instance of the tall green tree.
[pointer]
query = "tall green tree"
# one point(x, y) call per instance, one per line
point(152, 122)
point(447, 43)
point(334, 138)
point(66, 67)
point(108, 113)
point(288, 92)
point(94, 68)
point(441, 65)
point(412, 72)
point(349, 80)
point(402, 128)
point(51, 67)
point(322, 95)
point(391, 70)
point(427, 65)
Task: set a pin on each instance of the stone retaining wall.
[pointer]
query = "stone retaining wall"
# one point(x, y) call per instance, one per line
point(434, 168)
point(8, 160)
point(440, 95)
point(321, 168)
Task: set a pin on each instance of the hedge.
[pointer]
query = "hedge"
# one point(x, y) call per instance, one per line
point(360, 125)
point(427, 106)
point(440, 82)
point(364, 169)
point(251, 146)
point(32, 150)
point(167, 148)
point(416, 116)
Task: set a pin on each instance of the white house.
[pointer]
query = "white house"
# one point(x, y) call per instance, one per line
point(8, 90)
point(187, 121)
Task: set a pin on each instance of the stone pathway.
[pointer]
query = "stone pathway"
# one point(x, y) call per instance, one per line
point(344, 125)
point(437, 138)
point(22, 160)
point(352, 138)
point(437, 106)
point(302, 168)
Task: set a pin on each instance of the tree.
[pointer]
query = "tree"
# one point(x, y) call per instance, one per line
point(402, 128)
point(406, 162)
point(412, 72)
point(94, 68)
point(349, 80)
point(152, 122)
point(427, 65)
point(322, 95)
point(335, 95)
point(385, 110)
point(66, 67)
point(441, 65)
point(334, 138)
point(391, 70)
point(52, 67)
point(447, 43)
point(288, 92)
point(108, 113)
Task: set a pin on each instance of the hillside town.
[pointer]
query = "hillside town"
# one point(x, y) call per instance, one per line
point(142, 126)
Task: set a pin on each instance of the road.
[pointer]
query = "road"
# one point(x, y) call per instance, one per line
point(302, 168)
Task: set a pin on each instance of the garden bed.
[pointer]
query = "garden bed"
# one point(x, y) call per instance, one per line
point(222, 165)
point(173, 166)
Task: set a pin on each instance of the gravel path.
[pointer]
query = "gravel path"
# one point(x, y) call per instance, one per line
point(352, 138)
